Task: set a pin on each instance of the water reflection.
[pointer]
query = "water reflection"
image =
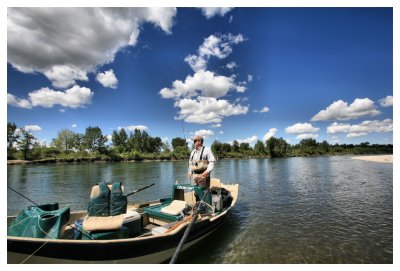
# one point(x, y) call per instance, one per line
point(292, 210)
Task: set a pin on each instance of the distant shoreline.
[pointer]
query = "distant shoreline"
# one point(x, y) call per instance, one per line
point(382, 158)
point(375, 158)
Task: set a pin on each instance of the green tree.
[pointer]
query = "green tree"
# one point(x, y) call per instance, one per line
point(119, 140)
point(26, 142)
point(259, 148)
point(77, 142)
point(277, 147)
point(177, 141)
point(235, 146)
point(216, 148)
point(244, 146)
point(226, 147)
point(94, 140)
point(64, 140)
point(12, 137)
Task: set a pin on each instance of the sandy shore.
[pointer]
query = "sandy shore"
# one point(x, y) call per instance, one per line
point(376, 158)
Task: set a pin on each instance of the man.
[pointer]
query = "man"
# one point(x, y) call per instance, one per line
point(201, 163)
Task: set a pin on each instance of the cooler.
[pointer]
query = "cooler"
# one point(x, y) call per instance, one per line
point(133, 221)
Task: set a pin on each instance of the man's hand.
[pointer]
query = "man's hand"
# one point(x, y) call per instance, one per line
point(205, 174)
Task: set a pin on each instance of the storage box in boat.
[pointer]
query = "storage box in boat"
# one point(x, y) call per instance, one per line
point(133, 221)
point(121, 233)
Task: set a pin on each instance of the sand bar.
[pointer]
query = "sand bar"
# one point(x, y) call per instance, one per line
point(376, 158)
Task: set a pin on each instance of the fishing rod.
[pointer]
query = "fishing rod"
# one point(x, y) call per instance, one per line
point(188, 229)
point(140, 189)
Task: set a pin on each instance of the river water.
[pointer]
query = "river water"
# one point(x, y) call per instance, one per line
point(290, 210)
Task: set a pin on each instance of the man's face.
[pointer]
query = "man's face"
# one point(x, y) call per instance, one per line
point(197, 142)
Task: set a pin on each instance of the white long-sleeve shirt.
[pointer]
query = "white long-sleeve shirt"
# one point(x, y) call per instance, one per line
point(207, 155)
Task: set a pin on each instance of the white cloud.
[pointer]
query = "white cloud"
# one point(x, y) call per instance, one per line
point(206, 83)
point(387, 101)
point(231, 19)
point(204, 133)
point(265, 109)
point(340, 110)
point(270, 134)
point(132, 128)
point(249, 77)
point(306, 136)
point(73, 97)
point(218, 125)
point(365, 127)
point(301, 128)
point(107, 79)
point(251, 140)
point(14, 101)
point(351, 135)
point(62, 110)
point(212, 11)
point(74, 125)
point(207, 110)
point(66, 51)
point(33, 128)
point(109, 137)
point(216, 45)
point(221, 132)
point(231, 65)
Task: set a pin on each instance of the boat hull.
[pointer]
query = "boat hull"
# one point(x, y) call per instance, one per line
point(152, 249)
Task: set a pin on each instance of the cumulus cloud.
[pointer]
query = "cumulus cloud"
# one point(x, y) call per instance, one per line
point(218, 125)
point(207, 110)
point(362, 129)
point(301, 128)
point(262, 110)
point(204, 133)
point(217, 45)
point(340, 110)
point(212, 11)
point(249, 77)
point(205, 83)
point(14, 101)
point(387, 101)
point(270, 134)
point(306, 136)
point(351, 135)
point(74, 125)
point(107, 79)
point(73, 97)
point(66, 51)
point(33, 128)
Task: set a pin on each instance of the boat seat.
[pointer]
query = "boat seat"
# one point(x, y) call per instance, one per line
point(215, 183)
point(175, 208)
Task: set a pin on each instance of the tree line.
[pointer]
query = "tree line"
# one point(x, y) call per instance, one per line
point(139, 145)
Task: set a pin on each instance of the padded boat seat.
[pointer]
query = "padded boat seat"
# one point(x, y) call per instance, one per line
point(175, 208)
point(103, 223)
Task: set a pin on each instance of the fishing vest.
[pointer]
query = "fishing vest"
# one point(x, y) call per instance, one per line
point(198, 166)
point(108, 203)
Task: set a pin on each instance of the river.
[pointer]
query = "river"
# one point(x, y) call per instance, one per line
point(290, 210)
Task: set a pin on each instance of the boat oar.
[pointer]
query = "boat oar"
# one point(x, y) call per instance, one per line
point(188, 229)
point(140, 189)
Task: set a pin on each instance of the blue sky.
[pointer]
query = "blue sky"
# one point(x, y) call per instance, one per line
point(241, 73)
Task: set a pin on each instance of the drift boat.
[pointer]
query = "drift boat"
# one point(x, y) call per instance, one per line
point(150, 232)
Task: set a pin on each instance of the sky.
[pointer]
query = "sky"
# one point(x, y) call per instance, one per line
point(228, 74)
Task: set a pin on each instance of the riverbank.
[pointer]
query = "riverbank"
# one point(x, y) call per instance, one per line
point(375, 158)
